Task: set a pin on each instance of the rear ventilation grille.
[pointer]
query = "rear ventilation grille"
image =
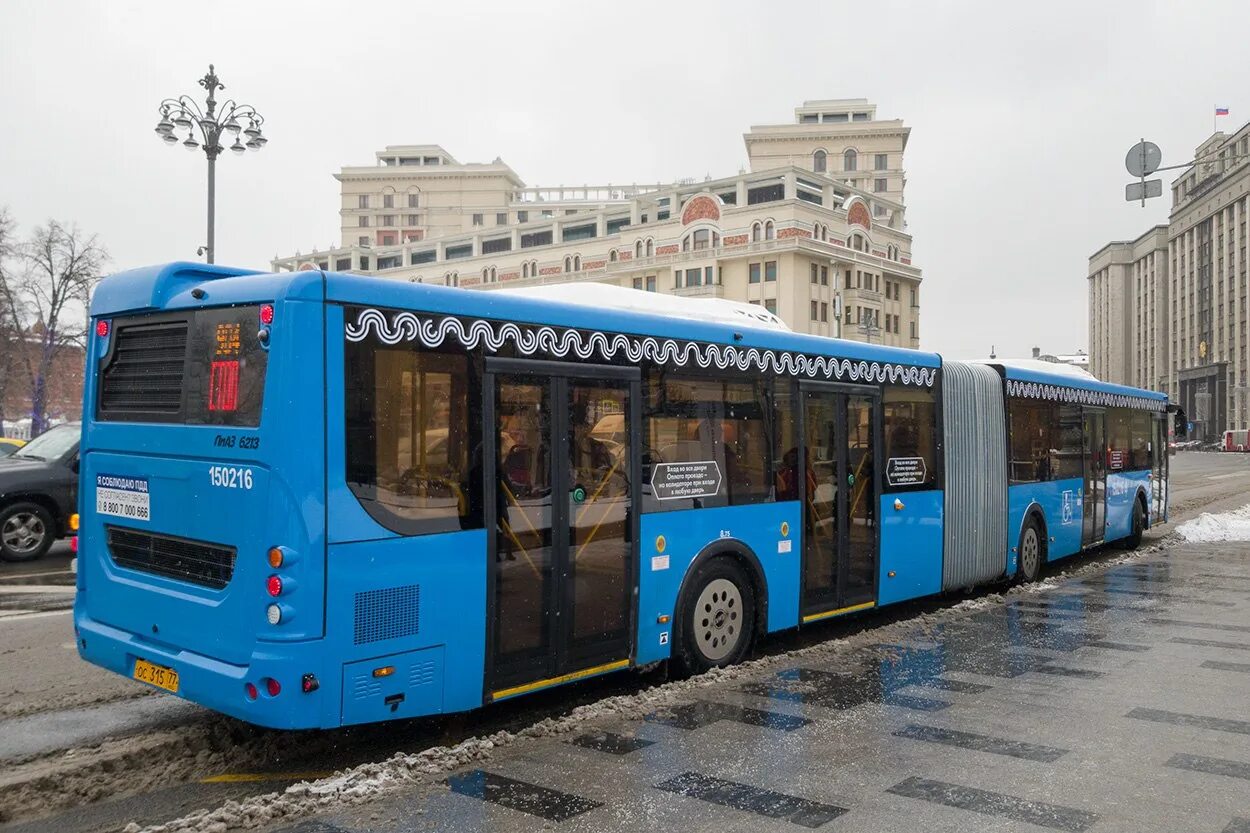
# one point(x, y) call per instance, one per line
point(387, 614)
point(146, 371)
point(195, 562)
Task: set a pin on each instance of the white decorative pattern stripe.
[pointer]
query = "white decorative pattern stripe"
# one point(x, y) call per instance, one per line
point(576, 344)
point(1082, 396)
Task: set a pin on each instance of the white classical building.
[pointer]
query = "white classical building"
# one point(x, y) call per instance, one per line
point(815, 232)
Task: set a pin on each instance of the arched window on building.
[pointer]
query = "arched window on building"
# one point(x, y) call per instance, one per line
point(568, 264)
point(755, 232)
point(650, 246)
point(525, 269)
point(819, 161)
point(770, 231)
point(637, 249)
point(850, 161)
point(577, 263)
point(612, 256)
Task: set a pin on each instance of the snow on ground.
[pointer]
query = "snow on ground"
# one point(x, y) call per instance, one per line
point(1223, 526)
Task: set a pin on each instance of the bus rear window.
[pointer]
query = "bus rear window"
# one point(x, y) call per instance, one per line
point(206, 367)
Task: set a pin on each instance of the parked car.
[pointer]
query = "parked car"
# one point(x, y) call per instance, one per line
point(8, 445)
point(38, 493)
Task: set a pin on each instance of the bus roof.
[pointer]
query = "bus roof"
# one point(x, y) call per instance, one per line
point(169, 286)
point(509, 306)
point(1022, 372)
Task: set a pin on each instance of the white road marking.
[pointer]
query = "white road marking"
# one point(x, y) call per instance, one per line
point(19, 589)
point(38, 614)
point(36, 575)
point(1226, 476)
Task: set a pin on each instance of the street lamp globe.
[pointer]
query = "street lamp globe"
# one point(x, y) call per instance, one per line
point(237, 148)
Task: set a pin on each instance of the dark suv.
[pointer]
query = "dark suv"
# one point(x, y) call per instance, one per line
point(38, 493)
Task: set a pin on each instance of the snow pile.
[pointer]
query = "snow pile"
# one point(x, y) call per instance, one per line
point(1210, 528)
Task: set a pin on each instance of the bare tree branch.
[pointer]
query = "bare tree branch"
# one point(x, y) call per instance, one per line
point(62, 266)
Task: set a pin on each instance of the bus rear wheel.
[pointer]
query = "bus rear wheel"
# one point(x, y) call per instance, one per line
point(1133, 541)
point(1032, 552)
point(717, 617)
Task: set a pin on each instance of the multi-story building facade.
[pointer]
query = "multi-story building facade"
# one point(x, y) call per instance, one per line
point(1185, 294)
point(800, 234)
point(1127, 294)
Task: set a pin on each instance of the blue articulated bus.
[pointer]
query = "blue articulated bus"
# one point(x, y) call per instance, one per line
point(314, 499)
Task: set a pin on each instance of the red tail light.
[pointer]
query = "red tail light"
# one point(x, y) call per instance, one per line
point(274, 586)
point(250, 690)
point(273, 687)
point(266, 314)
point(102, 329)
point(73, 545)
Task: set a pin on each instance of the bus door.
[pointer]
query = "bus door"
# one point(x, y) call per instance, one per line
point(561, 486)
point(1095, 465)
point(1159, 466)
point(841, 447)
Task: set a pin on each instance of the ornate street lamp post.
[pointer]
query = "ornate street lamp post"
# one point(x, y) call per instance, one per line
point(182, 113)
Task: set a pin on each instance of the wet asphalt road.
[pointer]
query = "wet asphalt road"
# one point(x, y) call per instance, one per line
point(40, 639)
point(1112, 701)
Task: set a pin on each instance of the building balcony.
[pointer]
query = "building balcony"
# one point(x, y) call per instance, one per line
point(713, 290)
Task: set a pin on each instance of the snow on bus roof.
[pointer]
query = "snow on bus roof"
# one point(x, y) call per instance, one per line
point(1040, 366)
point(1058, 373)
point(607, 296)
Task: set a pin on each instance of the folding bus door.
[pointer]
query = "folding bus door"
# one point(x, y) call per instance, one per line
point(564, 454)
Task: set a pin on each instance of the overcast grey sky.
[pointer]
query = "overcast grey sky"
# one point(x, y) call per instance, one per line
point(1021, 114)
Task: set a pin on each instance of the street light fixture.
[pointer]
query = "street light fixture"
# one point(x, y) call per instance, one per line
point(182, 113)
point(868, 324)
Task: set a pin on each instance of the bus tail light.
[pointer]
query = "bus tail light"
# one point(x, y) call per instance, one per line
point(102, 328)
point(276, 557)
point(273, 687)
point(73, 522)
point(250, 690)
point(309, 683)
point(274, 586)
point(273, 614)
point(266, 314)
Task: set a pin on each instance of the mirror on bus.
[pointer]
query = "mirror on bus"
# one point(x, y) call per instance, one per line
point(1180, 422)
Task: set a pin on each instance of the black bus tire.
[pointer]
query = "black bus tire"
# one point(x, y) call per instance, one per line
point(26, 532)
point(1133, 541)
point(1031, 554)
point(716, 617)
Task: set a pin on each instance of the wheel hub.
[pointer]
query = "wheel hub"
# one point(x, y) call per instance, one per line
point(22, 532)
point(716, 622)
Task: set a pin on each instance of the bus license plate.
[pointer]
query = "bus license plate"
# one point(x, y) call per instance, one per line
point(157, 675)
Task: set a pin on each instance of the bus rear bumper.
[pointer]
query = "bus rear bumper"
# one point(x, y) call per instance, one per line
point(218, 685)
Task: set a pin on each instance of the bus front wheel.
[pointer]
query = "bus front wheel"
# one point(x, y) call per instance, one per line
point(717, 617)
point(1032, 552)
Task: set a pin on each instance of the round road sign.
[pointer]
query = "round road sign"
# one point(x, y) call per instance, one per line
point(1143, 159)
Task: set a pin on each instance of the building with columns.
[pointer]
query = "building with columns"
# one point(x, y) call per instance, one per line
point(1169, 310)
point(815, 232)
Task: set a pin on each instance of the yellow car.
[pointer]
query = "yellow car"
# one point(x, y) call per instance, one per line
point(8, 446)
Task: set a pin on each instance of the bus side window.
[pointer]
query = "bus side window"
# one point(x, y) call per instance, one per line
point(910, 434)
point(699, 419)
point(413, 436)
